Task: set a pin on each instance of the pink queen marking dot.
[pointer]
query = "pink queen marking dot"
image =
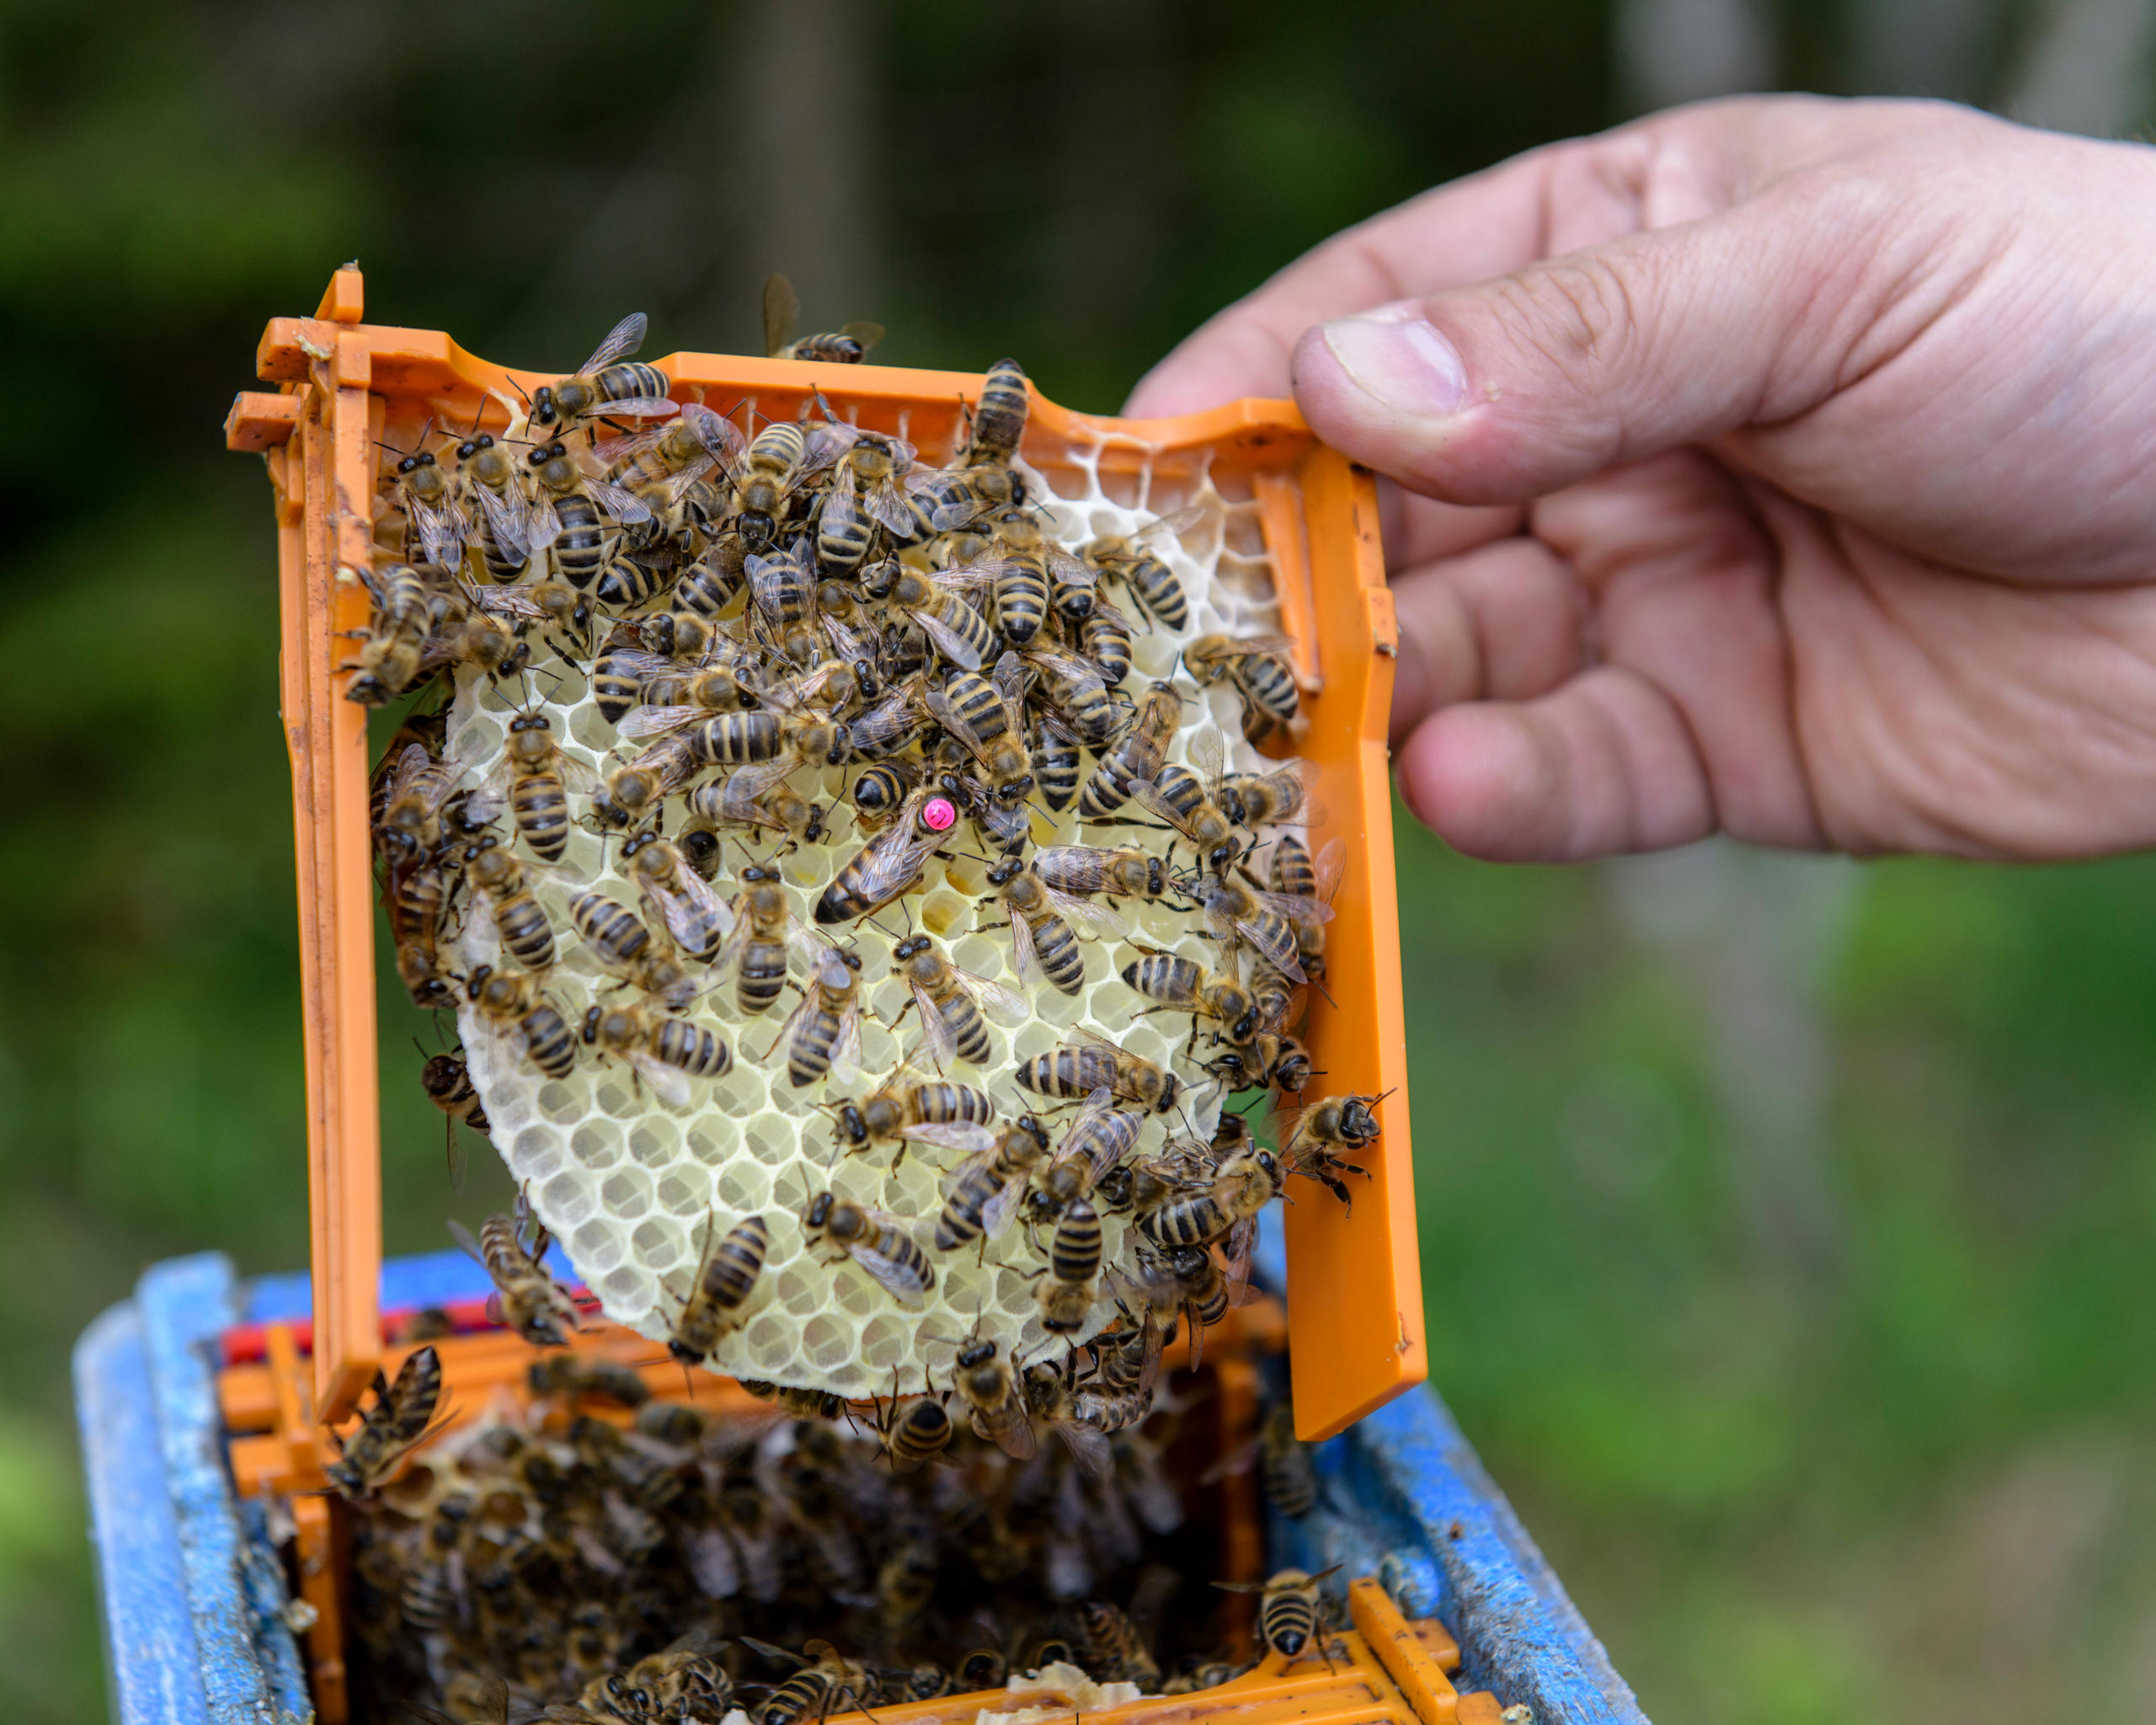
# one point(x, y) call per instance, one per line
point(939, 815)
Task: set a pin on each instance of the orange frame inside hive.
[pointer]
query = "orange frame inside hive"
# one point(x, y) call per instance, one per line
point(1354, 1281)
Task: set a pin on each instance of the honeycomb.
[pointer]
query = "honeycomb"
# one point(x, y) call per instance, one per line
point(628, 1184)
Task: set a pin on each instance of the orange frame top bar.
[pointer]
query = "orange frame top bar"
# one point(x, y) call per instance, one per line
point(1354, 1280)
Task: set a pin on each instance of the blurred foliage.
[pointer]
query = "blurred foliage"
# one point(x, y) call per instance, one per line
point(1910, 1477)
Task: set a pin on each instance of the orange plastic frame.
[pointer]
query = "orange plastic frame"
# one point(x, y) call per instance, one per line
point(1354, 1284)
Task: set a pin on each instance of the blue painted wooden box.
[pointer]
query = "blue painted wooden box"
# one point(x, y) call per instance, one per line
point(194, 1595)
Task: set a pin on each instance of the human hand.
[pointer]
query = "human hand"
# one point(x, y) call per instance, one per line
point(1780, 467)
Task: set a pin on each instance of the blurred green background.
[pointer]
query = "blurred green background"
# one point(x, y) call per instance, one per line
point(1788, 1224)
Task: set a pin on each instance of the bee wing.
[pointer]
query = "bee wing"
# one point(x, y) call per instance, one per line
point(1003, 1002)
point(997, 1214)
point(893, 857)
point(781, 309)
point(414, 761)
point(669, 1084)
point(1329, 865)
point(1068, 866)
point(1261, 646)
point(1177, 521)
point(623, 505)
point(624, 338)
point(610, 450)
point(886, 722)
point(506, 520)
point(680, 910)
point(738, 801)
point(730, 949)
point(1276, 944)
point(766, 574)
point(1067, 570)
point(953, 646)
point(1010, 679)
point(462, 1236)
point(1296, 907)
point(718, 434)
point(543, 526)
point(953, 721)
point(886, 503)
point(657, 721)
point(1067, 665)
point(1089, 1449)
point(976, 577)
point(937, 1035)
point(864, 331)
point(898, 1278)
point(968, 1136)
point(1099, 921)
point(850, 646)
point(1025, 962)
point(516, 602)
point(575, 775)
point(846, 491)
point(1207, 757)
point(441, 531)
point(846, 1050)
point(641, 407)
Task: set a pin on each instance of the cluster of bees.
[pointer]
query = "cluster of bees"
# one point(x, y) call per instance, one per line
point(752, 610)
point(559, 1563)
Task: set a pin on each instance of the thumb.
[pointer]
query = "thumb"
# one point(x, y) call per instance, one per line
point(1522, 385)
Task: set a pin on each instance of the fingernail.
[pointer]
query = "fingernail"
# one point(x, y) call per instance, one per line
point(1398, 358)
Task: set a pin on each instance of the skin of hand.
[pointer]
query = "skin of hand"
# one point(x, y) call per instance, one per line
point(1782, 466)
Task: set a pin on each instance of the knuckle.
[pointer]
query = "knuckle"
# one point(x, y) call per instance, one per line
point(1578, 313)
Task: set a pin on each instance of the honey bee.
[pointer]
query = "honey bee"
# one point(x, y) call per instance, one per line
point(607, 386)
point(1296, 874)
point(630, 790)
point(1128, 559)
point(1070, 581)
point(1181, 986)
point(1115, 1651)
point(872, 1239)
point(618, 939)
point(618, 675)
point(950, 999)
point(988, 719)
point(670, 459)
point(1104, 639)
point(1073, 691)
point(1256, 799)
point(1337, 1122)
point(783, 586)
point(909, 1108)
point(889, 863)
point(499, 527)
point(1070, 1285)
point(999, 419)
point(519, 1019)
point(1180, 798)
point(758, 797)
point(946, 499)
point(1097, 1141)
point(1141, 752)
point(1265, 921)
point(708, 588)
point(1056, 759)
point(1285, 1464)
point(1075, 1070)
point(822, 1035)
point(411, 804)
point(511, 1249)
point(718, 1293)
point(1042, 918)
point(391, 1429)
point(1290, 1615)
point(823, 1680)
point(889, 726)
point(1257, 668)
point(1272, 1058)
point(958, 631)
point(764, 933)
point(567, 518)
point(449, 1087)
point(987, 1385)
point(663, 1052)
point(915, 1429)
point(694, 914)
point(782, 307)
point(1242, 1186)
point(434, 525)
point(981, 1197)
point(502, 886)
point(577, 1377)
point(878, 793)
point(867, 492)
point(415, 894)
point(1050, 1402)
point(764, 479)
